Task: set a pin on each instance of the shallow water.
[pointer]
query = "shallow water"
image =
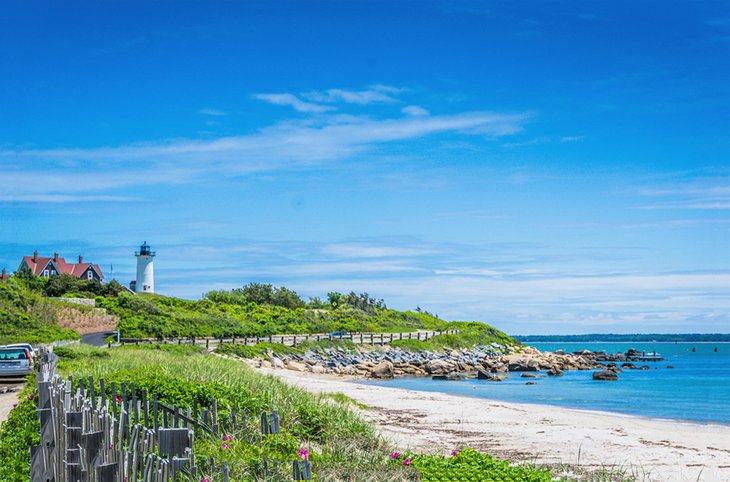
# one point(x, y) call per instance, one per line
point(696, 389)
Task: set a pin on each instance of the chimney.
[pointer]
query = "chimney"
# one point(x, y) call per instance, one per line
point(81, 259)
point(2, 276)
point(55, 256)
point(35, 256)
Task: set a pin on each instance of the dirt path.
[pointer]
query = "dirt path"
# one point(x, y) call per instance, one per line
point(8, 399)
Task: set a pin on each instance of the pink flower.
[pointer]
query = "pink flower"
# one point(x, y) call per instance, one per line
point(205, 479)
point(225, 446)
point(15, 405)
point(228, 437)
point(456, 452)
point(303, 454)
point(111, 446)
point(407, 462)
point(126, 479)
point(394, 455)
point(202, 380)
point(118, 399)
point(31, 396)
point(253, 389)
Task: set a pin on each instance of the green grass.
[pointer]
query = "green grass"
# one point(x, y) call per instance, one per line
point(28, 316)
point(178, 378)
point(471, 466)
point(343, 399)
point(17, 434)
point(159, 316)
point(470, 334)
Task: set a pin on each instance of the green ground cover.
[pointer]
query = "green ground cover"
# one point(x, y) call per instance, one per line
point(26, 315)
point(470, 334)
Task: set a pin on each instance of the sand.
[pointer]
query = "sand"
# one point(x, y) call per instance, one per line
point(651, 449)
point(8, 399)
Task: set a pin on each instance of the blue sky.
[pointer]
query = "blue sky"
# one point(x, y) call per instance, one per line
point(548, 167)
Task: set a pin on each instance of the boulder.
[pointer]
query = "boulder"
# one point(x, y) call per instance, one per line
point(318, 369)
point(555, 372)
point(531, 383)
point(384, 369)
point(523, 365)
point(644, 367)
point(276, 362)
point(296, 366)
point(439, 367)
point(528, 375)
point(670, 366)
point(439, 377)
point(605, 375)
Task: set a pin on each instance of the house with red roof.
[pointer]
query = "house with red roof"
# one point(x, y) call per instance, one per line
point(47, 267)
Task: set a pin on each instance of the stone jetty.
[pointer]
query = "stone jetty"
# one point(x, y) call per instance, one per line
point(487, 362)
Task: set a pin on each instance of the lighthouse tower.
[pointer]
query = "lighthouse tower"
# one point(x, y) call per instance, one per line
point(145, 270)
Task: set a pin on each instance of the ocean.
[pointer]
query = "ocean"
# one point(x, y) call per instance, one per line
point(696, 389)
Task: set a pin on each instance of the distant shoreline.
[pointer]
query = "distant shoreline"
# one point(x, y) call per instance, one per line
point(630, 338)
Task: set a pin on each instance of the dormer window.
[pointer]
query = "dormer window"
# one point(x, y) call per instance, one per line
point(90, 274)
point(46, 273)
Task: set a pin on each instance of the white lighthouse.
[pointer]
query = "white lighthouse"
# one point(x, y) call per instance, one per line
point(145, 282)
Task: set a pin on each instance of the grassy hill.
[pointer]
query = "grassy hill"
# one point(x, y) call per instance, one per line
point(28, 315)
point(28, 312)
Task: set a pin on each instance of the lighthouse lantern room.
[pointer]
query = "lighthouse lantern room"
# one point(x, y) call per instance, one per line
point(145, 282)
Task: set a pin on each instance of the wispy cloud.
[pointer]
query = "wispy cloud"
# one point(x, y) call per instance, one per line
point(701, 193)
point(415, 110)
point(212, 112)
point(374, 94)
point(288, 145)
point(293, 101)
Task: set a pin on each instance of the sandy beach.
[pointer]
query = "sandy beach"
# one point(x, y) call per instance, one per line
point(653, 450)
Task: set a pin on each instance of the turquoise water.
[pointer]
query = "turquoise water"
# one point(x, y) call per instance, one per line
point(697, 388)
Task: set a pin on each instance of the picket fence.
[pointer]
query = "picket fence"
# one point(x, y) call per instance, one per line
point(123, 434)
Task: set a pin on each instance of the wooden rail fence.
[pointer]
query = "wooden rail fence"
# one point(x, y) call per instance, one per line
point(293, 340)
point(122, 434)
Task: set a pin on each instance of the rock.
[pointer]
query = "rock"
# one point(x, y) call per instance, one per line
point(555, 372)
point(296, 366)
point(644, 367)
point(523, 365)
point(276, 362)
point(439, 367)
point(560, 352)
point(606, 375)
point(482, 375)
point(528, 375)
point(439, 377)
point(670, 366)
point(265, 364)
point(493, 377)
point(318, 369)
point(384, 369)
point(531, 383)
point(629, 366)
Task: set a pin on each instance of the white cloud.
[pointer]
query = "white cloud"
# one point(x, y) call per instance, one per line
point(293, 101)
point(415, 111)
point(295, 144)
point(375, 94)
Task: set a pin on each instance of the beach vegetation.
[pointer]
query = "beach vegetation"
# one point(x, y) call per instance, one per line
point(27, 315)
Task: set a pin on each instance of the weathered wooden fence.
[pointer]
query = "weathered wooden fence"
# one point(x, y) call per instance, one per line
point(294, 340)
point(122, 434)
